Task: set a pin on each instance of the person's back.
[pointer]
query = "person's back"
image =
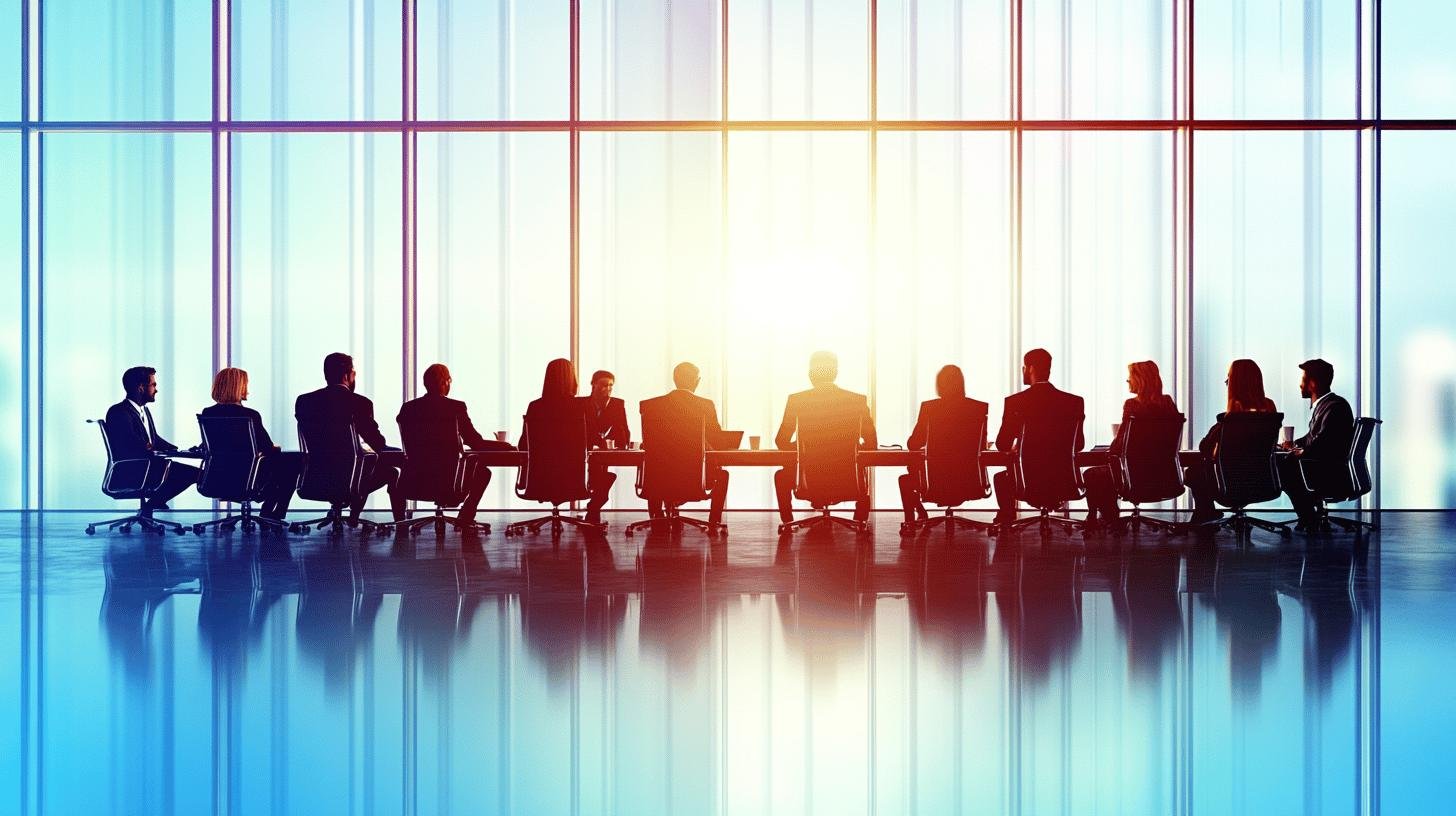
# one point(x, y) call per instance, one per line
point(324, 417)
point(934, 412)
point(825, 413)
point(1040, 401)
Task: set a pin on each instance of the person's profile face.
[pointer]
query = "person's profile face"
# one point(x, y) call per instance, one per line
point(352, 380)
point(445, 387)
point(147, 392)
point(1026, 378)
point(602, 388)
point(1306, 385)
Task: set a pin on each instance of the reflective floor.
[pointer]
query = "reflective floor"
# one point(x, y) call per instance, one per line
point(662, 674)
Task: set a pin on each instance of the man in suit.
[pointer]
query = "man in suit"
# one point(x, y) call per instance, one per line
point(1318, 458)
point(606, 421)
point(335, 406)
point(825, 406)
point(133, 435)
point(682, 408)
point(430, 421)
point(1039, 399)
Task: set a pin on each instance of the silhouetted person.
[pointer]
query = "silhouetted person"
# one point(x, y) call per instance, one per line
point(278, 473)
point(606, 421)
point(335, 406)
point(432, 421)
point(559, 402)
point(1148, 401)
point(685, 409)
point(950, 391)
point(133, 435)
point(1245, 394)
point(1325, 450)
point(825, 407)
point(1038, 400)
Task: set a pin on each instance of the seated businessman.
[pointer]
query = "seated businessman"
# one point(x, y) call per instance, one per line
point(683, 410)
point(132, 434)
point(824, 406)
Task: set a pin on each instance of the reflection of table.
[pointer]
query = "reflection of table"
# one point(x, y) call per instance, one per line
point(777, 458)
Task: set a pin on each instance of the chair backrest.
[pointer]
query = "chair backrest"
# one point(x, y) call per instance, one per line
point(434, 467)
point(1148, 469)
point(674, 456)
point(1244, 467)
point(123, 478)
point(953, 471)
point(1354, 479)
point(230, 460)
point(828, 458)
point(333, 462)
point(1045, 463)
point(555, 469)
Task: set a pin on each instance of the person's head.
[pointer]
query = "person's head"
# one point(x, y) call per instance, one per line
point(560, 379)
point(339, 370)
point(230, 386)
point(140, 383)
point(601, 385)
point(1245, 387)
point(686, 376)
point(1144, 380)
point(823, 367)
point(950, 382)
point(1316, 379)
point(437, 380)
point(1036, 366)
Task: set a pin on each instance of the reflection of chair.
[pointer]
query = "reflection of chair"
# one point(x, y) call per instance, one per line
point(828, 472)
point(555, 471)
point(1148, 469)
point(434, 471)
point(953, 473)
point(136, 479)
point(1044, 464)
point(230, 471)
point(334, 467)
point(1244, 469)
point(674, 469)
point(1348, 483)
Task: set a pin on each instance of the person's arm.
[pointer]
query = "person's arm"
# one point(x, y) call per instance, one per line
point(1319, 442)
point(620, 432)
point(917, 434)
point(158, 442)
point(468, 433)
point(260, 433)
point(1118, 442)
point(366, 427)
point(1010, 427)
point(868, 438)
point(1209, 442)
point(784, 439)
point(1081, 421)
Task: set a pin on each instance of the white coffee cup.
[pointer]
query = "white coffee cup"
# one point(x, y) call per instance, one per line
point(502, 436)
point(1286, 434)
point(753, 442)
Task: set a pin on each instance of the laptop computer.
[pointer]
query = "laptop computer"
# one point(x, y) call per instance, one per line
point(725, 440)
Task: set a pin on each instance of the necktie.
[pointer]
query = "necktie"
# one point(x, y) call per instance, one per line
point(151, 428)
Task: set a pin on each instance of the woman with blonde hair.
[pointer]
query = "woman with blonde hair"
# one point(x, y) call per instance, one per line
point(279, 471)
point(1147, 400)
point(1245, 383)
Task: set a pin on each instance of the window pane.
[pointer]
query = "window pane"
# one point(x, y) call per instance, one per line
point(651, 59)
point(10, 66)
point(12, 322)
point(1275, 270)
point(651, 271)
point(1089, 266)
point(316, 268)
point(798, 59)
point(128, 59)
point(324, 59)
point(944, 59)
point(503, 59)
point(1261, 60)
point(1417, 335)
point(943, 286)
point(1418, 64)
point(798, 243)
point(1098, 59)
point(127, 281)
point(494, 272)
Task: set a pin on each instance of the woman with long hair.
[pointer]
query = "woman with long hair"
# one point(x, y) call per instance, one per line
point(1147, 400)
point(278, 472)
point(558, 407)
point(1245, 384)
point(950, 392)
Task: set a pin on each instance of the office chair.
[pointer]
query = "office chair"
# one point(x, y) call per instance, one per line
point(132, 479)
point(953, 473)
point(230, 469)
point(1148, 469)
point(1245, 472)
point(674, 470)
point(1350, 483)
point(1044, 466)
point(828, 472)
point(434, 471)
point(333, 470)
point(556, 467)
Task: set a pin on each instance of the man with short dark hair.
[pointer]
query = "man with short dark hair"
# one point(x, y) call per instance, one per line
point(825, 406)
point(133, 435)
point(1039, 399)
point(681, 408)
point(606, 420)
point(432, 422)
point(1317, 460)
point(336, 405)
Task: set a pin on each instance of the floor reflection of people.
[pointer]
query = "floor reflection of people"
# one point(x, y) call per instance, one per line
point(559, 620)
point(1039, 604)
point(332, 621)
point(1247, 610)
point(1146, 604)
point(825, 617)
point(139, 579)
point(674, 613)
point(947, 596)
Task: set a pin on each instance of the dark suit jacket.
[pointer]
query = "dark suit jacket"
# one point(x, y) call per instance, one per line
point(1138, 407)
point(828, 404)
point(551, 409)
point(685, 409)
point(1331, 432)
point(932, 410)
point(260, 434)
point(1039, 400)
point(337, 405)
point(609, 423)
point(129, 437)
point(1209, 443)
point(434, 416)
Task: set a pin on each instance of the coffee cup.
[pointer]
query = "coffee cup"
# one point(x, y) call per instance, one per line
point(753, 442)
point(631, 446)
point(1286, 434)
point(502, 436)
point(611, 444)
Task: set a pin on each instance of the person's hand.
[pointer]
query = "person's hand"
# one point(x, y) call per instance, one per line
point(1286, 446)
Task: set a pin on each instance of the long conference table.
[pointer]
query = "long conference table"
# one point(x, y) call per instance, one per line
point(882, 457)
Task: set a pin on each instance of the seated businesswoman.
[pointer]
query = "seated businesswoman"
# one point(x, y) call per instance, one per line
point(558, 398)
point(1245, 394)
point(950, 392)
point(279, 472)
point(1147, 400)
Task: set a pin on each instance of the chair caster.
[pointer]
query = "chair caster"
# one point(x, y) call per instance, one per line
point(125, 528)
point(90, 529)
